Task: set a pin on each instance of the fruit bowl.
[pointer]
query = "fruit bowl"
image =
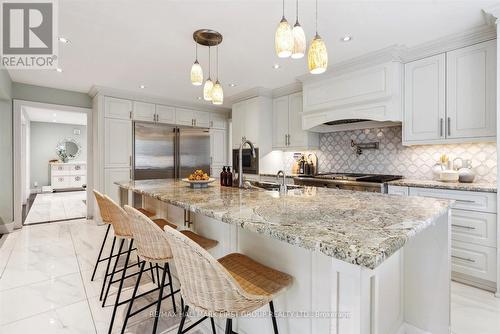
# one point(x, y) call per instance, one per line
point(196, 184)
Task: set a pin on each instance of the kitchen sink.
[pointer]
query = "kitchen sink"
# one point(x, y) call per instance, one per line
point(271, 185)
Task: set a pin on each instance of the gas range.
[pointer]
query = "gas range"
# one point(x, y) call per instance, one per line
point(350, 181)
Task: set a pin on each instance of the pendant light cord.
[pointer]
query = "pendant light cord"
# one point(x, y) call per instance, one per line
point(297, 14)
point(283, 9)
point(196, 50)
point(316, 17)
point(209, 62)
point(217, 64)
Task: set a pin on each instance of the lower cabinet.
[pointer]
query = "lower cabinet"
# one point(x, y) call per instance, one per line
point(474, 259)
point(112, 175)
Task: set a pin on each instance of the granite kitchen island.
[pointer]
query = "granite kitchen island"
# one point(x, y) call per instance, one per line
point(362, 262)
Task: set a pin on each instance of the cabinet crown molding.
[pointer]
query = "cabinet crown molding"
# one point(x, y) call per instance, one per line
point(130, 95)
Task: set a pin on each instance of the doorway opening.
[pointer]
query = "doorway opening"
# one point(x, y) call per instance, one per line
point(52, 163)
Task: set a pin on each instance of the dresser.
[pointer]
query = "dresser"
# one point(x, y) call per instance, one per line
point(69, 175)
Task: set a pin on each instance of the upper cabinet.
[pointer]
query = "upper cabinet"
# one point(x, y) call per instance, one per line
point(471, 91)
point(144, 111)
point(117, 108)
point(252, 119)
point(218, 121)
point(287, 125)
point(189, 117)
point(425, 99)
point(165, 114)
point(451, 98)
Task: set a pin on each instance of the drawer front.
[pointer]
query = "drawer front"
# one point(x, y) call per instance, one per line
point(77, 181)
point(474, 227)
point(78, 169)
point(58, 182)
point(59, 169)
point(474, 260)
point(464, 200)
point(397, 190)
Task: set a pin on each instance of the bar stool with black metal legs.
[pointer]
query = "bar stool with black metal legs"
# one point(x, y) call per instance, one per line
point(152, 246)
point(229, 287)
point(106, 220)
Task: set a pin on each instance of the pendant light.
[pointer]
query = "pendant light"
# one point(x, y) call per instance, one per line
point(299, 38)
point(217, 92)
point(207, 88)
point(283, 39)
point(317, 56)
point(196, 70)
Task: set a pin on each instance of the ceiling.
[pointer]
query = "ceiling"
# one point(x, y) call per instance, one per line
point(123, 44)
point(55, 116)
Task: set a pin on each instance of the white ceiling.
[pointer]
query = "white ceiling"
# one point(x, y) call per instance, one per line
point(55, 116)
point(125, 43)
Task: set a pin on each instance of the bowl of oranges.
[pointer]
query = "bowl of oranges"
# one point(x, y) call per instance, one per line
point(199, 179)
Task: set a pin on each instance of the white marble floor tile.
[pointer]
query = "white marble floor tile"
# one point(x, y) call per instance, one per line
point(72, 319)
point(57, 206)
point(32, 299)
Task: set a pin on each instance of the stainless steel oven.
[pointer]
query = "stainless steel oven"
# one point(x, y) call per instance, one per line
point(250, 164)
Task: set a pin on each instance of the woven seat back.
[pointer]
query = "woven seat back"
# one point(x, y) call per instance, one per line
point(149, 238)
point(119, 218)
point(103, 210)
point(205, 284)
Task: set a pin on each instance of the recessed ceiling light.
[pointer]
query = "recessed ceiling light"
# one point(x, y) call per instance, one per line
point(276, 66)
point(142, 86)
point(346, 38)
point(64, 40)
point(59, 70)
point(232, 85)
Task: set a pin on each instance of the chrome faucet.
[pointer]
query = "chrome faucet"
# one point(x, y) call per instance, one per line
point(283, 180)
point(240, 159)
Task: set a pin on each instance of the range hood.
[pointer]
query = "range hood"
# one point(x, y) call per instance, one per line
point(364, 98)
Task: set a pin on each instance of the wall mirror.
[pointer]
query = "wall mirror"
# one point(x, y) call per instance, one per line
point(68, 149)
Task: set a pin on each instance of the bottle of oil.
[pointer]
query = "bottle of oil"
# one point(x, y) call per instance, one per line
point(223, 176)
point(229, 177)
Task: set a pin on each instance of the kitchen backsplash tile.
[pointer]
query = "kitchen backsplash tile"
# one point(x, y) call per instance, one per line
point(337, 155)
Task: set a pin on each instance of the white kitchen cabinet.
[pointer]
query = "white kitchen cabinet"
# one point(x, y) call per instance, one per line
point(191, 117)
point(218, 147)
point(218, 121)
point(117, 143)
point(471, 91)
point(184, 116)
point(280, 122)
point(451, 97)
point(165, 114)
point(252, 119)
point(201, 119)
point(474, 238)
point(144, 111)
point(287, 125)
point(425, 100)
point(112, 175)
point(117, 108)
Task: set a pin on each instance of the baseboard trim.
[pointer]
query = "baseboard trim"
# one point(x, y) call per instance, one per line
point(6, 228)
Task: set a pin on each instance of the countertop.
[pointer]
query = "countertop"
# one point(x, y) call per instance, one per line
point(483, 187)
point(357, 227)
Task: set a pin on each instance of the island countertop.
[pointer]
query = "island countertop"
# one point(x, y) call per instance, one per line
point(357, 227)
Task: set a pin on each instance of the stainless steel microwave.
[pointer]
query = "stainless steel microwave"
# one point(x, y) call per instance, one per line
point(250, 164)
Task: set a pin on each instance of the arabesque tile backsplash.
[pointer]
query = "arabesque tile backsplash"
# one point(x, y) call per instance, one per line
point(337, 155)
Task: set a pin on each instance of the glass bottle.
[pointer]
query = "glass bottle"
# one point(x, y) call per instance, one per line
point(229, 177)
point(223, 175)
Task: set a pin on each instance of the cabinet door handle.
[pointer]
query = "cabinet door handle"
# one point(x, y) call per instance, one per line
point(130, 115)
point(465, 201)
point(130, 160)
point(285, 139)
point(463, 258)
point(211, 124)
point(465, 227)
point(288, 139)
point(441, 124)
point(449, 126)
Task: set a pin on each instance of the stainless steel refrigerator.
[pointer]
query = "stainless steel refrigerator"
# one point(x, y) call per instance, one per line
point(167, 152)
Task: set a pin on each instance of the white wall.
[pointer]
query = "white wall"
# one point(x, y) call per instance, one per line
point(44, 139)
point(6, 188)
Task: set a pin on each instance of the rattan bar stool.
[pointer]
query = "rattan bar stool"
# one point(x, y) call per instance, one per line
point(153, 247)
point(229, 287)
point(106, 218)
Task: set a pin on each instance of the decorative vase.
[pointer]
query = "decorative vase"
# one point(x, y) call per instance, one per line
point(465, 174)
